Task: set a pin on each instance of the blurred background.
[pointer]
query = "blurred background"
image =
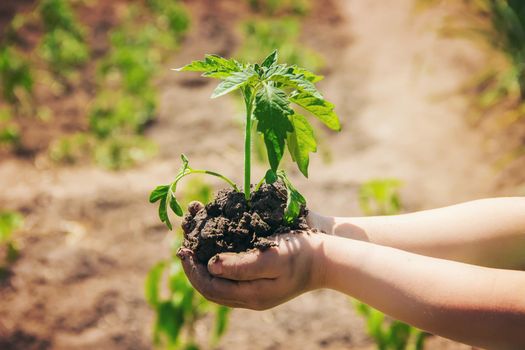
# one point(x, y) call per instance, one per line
point(431, 97)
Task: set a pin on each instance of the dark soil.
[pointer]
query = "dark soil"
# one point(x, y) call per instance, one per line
point(230, 224)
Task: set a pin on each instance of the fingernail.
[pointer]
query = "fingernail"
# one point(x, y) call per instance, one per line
point(215, 266)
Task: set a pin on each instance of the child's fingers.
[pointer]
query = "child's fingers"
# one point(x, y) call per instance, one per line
point(247, 266)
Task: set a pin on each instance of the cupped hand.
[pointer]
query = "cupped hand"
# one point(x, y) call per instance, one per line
point(258, 279)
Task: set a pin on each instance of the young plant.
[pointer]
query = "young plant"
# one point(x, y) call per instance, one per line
point(381, 197)
point(63, 44)
point(9, 223)
point(15, 75)
point(270, 91)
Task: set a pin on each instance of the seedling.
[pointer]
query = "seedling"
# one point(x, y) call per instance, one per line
point(270, 91)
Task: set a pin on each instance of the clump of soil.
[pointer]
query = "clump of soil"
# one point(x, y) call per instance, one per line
point(230, 224)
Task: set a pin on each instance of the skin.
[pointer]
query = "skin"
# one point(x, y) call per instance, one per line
point(451, 271)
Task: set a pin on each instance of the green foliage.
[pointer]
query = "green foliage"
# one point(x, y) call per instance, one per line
point(179, 308)
point(15, 75)
point(9, 223)
point(390, 334)
point(63, 51)
point(58, 14)
point(508, 23)
point(9, 132)
point(69, 149)
point(262, 35)
point(165, 194)
point(381, 197)
point(172, 15)
point(63, 45)
point(130, 62)
point(270, 7)
point(123, 151)
point(295, 200)
point(115, 153)
point(269, 90)
point(117, 112)
point(126, 100)
point(501, 24)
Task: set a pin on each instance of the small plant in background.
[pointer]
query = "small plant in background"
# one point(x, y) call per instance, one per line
point(9, 132)
point(126, 100)
point(181, 307)
point(271, 7)
point(15, 76)
point(63, 45)
point(9, 223)
point(507, 18)
point(381, 197)
point(171, 15)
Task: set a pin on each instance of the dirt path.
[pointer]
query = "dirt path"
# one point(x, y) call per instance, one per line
point(403, 118)
point(91, 236)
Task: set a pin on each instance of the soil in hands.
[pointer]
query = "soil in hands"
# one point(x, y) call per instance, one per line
point(230, 224)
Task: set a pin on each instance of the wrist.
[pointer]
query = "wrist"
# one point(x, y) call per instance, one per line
point(342, 260)
point(318, 261)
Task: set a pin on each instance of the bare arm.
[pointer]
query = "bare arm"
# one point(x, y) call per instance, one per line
point(475, 305)
point(489, 232)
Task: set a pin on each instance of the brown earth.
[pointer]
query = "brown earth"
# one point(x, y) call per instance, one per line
point(230, 224)
point(90, 235)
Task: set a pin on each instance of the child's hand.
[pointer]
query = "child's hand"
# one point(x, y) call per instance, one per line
point(260, 279)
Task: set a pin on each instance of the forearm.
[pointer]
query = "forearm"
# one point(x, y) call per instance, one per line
point(475, 305)
point(489, 232)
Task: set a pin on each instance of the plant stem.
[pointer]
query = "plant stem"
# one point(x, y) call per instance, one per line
point(230, 182)
point(259, 184)
point(248, 100)
point(199, 171)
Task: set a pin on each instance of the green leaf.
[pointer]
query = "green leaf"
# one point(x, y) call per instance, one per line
point(314, 78)
point(272, 110)
point(301, 142)
point(158, 193)
point(213, 66)
point(270, 177)
point(233, 82)
point(153, 283)
point(319, 107)
point(270, 60)
point(163, 213)
point(294, 199)
point(185, 160)
point(175, 206)
point(9, 222)
point(296, 81)
point(170, 320)
point(278, 69)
